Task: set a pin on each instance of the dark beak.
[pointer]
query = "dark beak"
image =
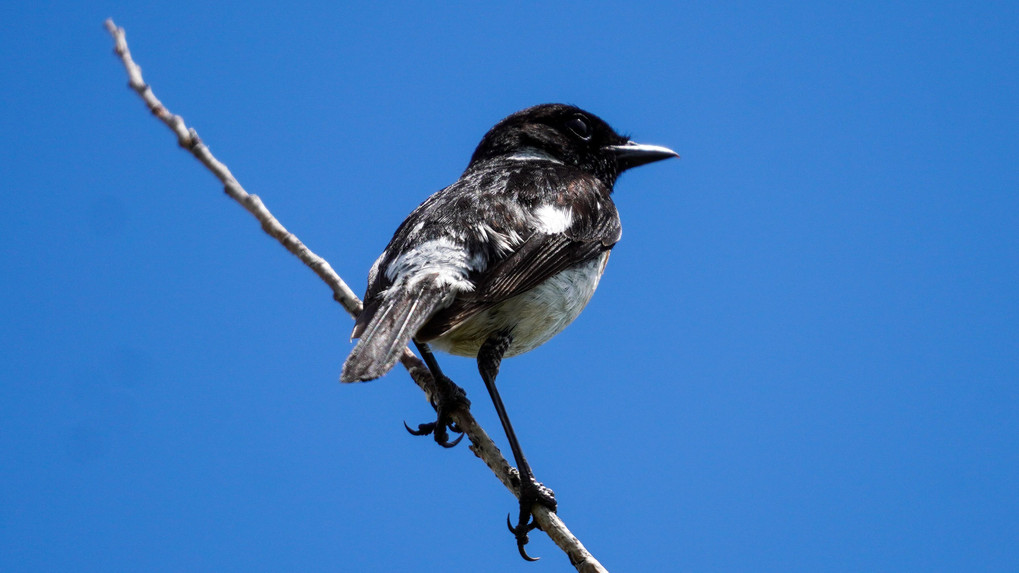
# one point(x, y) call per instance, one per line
point(633, 154)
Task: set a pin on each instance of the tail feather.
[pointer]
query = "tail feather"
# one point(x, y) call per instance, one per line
point(397, 319)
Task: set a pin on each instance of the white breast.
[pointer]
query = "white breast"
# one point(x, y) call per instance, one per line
point(533, 317)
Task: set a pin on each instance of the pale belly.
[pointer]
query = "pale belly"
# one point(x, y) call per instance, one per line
point(532, 317)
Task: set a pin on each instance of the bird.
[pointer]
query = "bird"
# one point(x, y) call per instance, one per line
point(499, 262)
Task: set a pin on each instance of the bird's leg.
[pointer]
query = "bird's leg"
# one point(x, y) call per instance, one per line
point(531, 492)
point(449, 398)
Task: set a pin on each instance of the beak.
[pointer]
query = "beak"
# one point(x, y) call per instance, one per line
point(633, 154)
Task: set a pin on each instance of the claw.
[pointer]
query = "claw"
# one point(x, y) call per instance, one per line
point(523, 552)
point(423, 429)
point(520, 532)
point(526, 526)
point(441, 437)
point(445, 401)
point(530, 493)
point(453, 443)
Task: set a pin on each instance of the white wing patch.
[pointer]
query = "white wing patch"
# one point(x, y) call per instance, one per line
point(441, 259)
point(552, 219)
point(504, 242)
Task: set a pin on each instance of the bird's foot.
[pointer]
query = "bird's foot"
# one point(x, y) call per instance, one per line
point(531, 492)
point(449, 398)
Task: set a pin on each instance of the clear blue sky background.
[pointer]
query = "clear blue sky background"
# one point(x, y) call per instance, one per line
point(804, 355)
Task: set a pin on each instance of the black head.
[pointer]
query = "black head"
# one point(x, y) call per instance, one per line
point(569, 135)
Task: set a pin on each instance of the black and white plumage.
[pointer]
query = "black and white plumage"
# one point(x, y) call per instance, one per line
point(519, 242)
point(502, 260)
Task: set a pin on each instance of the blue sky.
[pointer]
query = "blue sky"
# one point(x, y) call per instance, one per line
point(804, 355)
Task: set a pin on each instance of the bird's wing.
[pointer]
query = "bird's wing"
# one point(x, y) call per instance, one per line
point(538, 258)
point(413, 278)
point(396, 319)
point(380, 280)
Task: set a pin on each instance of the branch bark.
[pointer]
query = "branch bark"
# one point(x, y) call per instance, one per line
point(481, 444)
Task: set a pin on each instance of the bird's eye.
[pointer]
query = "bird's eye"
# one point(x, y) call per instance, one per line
point(579, 126)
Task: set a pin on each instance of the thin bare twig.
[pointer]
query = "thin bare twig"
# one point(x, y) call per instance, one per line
point(481, 444)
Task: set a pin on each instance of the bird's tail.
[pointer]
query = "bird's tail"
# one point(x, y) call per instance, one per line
point(397, 318)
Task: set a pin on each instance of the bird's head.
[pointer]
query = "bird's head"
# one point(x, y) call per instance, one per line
point(568, 135)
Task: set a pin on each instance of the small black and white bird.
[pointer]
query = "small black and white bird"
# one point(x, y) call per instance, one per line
point(501, 261)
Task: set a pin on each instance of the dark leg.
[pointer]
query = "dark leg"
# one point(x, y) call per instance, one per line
point(531, 492)
point(450, 397)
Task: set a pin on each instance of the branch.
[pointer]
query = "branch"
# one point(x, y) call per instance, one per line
point(481, 444)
